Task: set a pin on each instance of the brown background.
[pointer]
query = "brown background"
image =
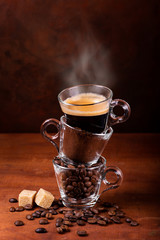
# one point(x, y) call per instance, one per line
point(42, 42)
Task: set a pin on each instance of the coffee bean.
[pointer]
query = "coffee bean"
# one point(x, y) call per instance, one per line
point(81, 222)
point(70, 188)
point(56, 206)
point(111, 213)
point(43, 214)
point(59, 230)
point(120, 214)
point(28, 207)
point(19, 209)
point(65, 228)
point(74, 184)
point(40, 230)
point(88, 184)
point(128, 220)
point(12, 209)
point(41, 210)
point(94, 210)
point(43, 221)
point(61, 210)
point(82, 233)
point(101, 222)
point(73, 218)
point(49, 215)
point(58, 224)
point(53, 212)
point(84, 218)
point(60, 220)
point(134, 223)
point(68, 223)
point(38, 212)
point(29, 217)
point(13, 200)
point(36, 215)
point(89, 173)
point(92, 220)
point(79, 214)
point(101, 209)
point(60, 203)
point(116, 219)
point(19, 223)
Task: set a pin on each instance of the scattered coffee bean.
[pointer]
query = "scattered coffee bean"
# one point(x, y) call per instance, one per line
point(43, 221)
point(68, 223)
point(43, 214)
point(40, 230)
point(60, 230)
point(53, 212)
point(128, 220)
point(29, 217)
point(81, 222)
point(56, 206)
point(12, 209)
point(13, 200)
point(19, 223)
point(36, 215)
point(134, 223)
point(94, 210)
point(111, 213)
point(19, 209)
point(59, 220)
point(49, 215)
point(38, 212)
point(61, 210)
point(102, 222)
point(92, 220)
point(65, 228)
point(82, 233)
point(28, 207)
point(120, 214)
point(79, 214)
point(116, 219)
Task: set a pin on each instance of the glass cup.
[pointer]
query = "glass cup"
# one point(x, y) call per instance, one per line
point(79, 186)
point(76, 145)
point(91, 108)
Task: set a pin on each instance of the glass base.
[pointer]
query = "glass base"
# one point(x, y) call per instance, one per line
point(79, 204)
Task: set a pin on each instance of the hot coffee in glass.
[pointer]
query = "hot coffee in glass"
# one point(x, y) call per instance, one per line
point(87, 111)
point(90, 106)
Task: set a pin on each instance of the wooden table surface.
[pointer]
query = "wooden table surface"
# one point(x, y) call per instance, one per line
point(26, 163)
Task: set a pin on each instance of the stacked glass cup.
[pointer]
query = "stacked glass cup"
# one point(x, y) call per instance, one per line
point(83, 132)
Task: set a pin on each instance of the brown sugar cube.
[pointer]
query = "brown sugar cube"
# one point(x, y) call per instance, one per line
point(26, 197)
point(44, 198)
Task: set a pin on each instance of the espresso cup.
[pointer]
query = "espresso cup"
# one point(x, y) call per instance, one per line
point(79, 186)
point(76, 145)
point(91, 108)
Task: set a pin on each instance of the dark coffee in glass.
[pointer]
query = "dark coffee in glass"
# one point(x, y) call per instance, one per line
point(87, 111)
point(90, 106)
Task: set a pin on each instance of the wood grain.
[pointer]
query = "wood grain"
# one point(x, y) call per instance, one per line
point(26, 163)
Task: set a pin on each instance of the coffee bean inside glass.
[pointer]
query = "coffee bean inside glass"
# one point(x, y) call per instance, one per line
point(89, 107)
point(85, 107)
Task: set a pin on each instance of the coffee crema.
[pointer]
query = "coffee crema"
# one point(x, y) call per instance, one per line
point(86, 104)
point(88, 111)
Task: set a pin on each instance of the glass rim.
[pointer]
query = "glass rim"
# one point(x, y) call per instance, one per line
point(104, 133)
point(90, 104)
point(86, 167)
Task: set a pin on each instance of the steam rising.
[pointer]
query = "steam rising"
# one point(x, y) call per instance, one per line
point(92, 64)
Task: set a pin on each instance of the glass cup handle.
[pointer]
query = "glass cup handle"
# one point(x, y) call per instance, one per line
point(46, 135)
point(113, 118)
point(115, 184)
